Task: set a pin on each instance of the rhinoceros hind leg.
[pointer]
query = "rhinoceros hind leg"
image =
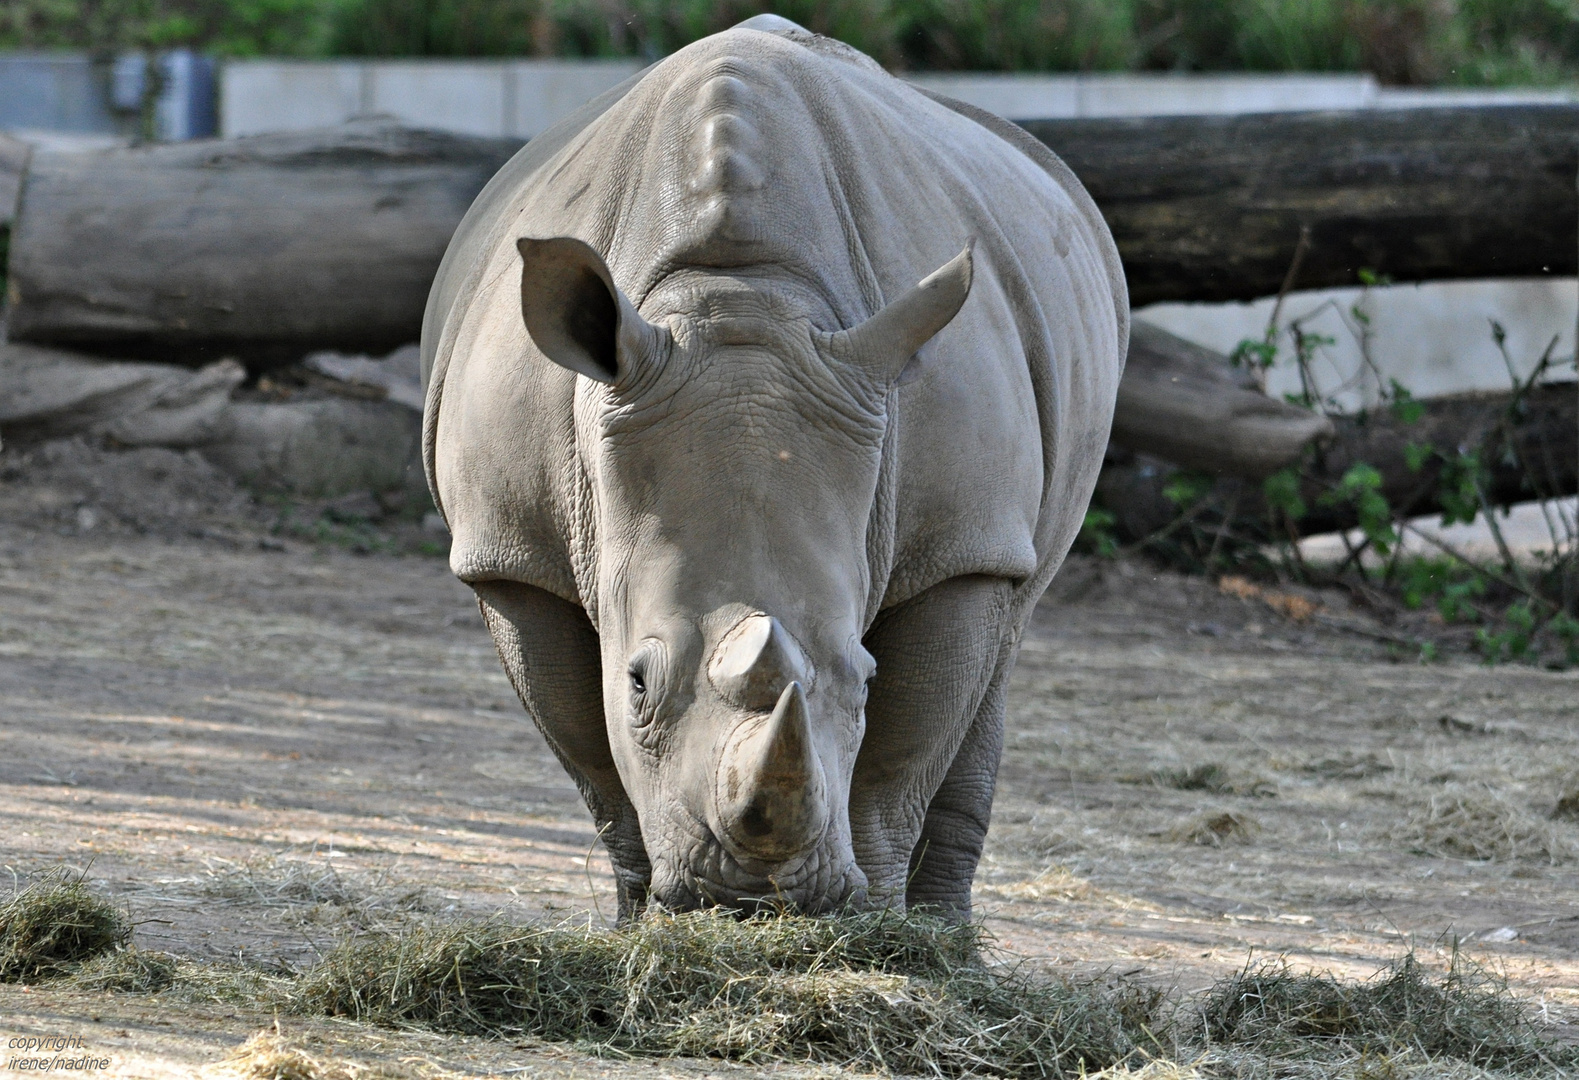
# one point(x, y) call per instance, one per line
point(924, 776)
point(550, 653)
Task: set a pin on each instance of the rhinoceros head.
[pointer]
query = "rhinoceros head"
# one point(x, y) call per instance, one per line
point(733, 453)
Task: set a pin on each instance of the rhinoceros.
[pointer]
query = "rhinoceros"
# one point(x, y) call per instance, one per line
point(764, 397)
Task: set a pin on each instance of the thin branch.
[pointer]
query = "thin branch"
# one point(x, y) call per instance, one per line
point(1448, 549)
point(1167, 530)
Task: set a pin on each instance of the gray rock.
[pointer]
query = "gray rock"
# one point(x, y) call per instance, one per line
point(321, 448)
point(50, 394)
point(398, 374)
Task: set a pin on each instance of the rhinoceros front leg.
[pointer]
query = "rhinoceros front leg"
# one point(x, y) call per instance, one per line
point(921, 794)
point(550, 652)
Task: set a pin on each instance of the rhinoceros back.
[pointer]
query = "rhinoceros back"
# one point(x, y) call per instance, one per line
point(794, 162)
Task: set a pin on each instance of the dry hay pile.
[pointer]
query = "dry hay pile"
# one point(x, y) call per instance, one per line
point(1465, 1015)
point(899, 993)
point(1214, 828)
point(875, 991)
point(53, 924)
point(1467, 822)
point(270, 1056)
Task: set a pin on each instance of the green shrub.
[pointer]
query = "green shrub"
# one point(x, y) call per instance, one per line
point(1409, 42)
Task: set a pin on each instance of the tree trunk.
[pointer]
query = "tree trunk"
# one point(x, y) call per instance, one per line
point(1209, 208)
point(265, 248)
point(1186, 404)
point(1528, 452)
point(273, 245)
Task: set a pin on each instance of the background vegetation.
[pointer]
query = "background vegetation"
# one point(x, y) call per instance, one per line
point(1409, 42)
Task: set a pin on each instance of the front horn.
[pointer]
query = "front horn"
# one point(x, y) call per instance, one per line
point(772, 798)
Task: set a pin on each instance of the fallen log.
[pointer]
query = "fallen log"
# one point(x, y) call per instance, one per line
point(276, 245)
point(1528, 449)
point(1188, 405)
point(1210, 208)
point(265, 248)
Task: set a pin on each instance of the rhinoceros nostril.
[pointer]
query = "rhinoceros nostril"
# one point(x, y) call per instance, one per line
point(755, 661)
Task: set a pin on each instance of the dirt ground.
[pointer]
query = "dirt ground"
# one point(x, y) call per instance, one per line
point(255, 741)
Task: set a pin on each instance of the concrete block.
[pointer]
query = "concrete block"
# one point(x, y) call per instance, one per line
point(257, 96)
point(544, 92)
point(1009, 95)
point(466, 98)
point(1050, 97)
point(56, 91)
point(1434, 338)
point(1181, 95)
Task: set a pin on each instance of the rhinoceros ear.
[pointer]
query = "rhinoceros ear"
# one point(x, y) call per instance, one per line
point(576, 314)
point(884, 343)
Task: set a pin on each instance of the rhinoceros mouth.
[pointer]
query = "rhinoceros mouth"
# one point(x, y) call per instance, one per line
point(819, 884)
point(694, 894)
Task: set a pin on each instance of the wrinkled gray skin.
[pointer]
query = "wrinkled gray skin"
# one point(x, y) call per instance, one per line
point(755, 520)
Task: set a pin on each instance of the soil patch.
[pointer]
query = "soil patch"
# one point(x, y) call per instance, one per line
point(254, 742)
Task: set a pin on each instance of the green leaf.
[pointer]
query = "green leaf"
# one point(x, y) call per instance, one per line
point(1458, 492)
point(1096, 532)
point(1361, 487)
point(1403, 403)
point(1187, 487)
point(1254, 353)
point(1282, 492)
point(1417, 454)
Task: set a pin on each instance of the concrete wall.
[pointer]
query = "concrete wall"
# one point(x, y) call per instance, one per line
point(56, 92)
point(1434, 338)
point(73, 93)
point(1047, 97)
point(519, 98)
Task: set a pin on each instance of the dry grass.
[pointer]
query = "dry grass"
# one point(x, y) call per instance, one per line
point(54, 924)
point(270, 1056)
point(1466, 1014)
point(125, 969)
point(293, 881)
point(876, 991)
point(1151, 1070)
point(271, 881)
point(890, 992)
point(1465, 822)
point(1211, 776)
point(1055, 883)
point(1214, 828)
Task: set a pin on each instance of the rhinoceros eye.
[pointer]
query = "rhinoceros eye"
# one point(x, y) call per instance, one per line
point(645, 673)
